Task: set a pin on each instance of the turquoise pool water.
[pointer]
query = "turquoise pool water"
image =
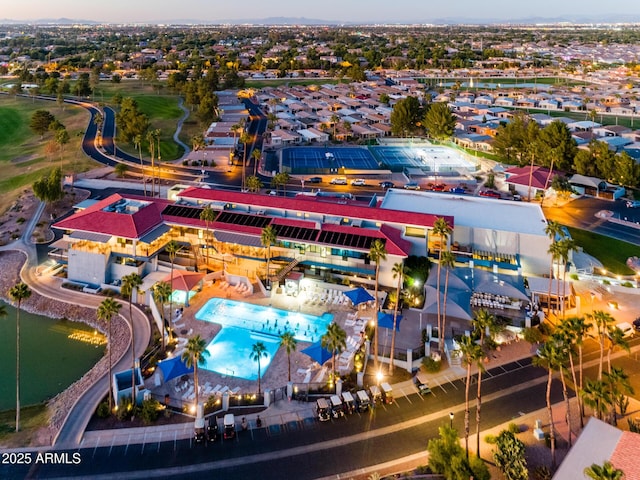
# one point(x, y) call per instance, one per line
point(244, 324)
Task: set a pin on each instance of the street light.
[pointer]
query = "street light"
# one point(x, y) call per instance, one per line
point(451, 420)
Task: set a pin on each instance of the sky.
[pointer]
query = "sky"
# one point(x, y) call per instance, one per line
point(130, 11)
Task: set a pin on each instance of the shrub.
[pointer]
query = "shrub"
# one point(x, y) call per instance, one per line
point(490, 439)
point(532, 335)
point(125, 410)
point(627, 284)
point(103, 410)
point(574, 276)
point(185, 163)
point(150, 411)
point(21, 220)
point(514, 428)
point(606, 282)
point(542, 472)
point(431, 365)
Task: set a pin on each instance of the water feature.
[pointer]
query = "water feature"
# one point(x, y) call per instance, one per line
point(53, 355)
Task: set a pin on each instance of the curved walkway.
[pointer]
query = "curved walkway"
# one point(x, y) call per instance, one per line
point(176, 134)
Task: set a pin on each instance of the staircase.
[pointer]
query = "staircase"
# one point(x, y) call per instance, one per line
point(278, 277)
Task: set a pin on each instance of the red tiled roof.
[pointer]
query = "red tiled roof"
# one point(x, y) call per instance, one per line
point(626, 454)
point(126, 225)
point(312, 206)
point(539, 178)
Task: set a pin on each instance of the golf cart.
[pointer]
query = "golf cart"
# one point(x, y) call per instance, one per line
point(198, 431)
point(349, 402)
point(376, 394)
point(387, 392)
point(337, 409)
point(322, 410)
point(212, 429)
point(423, 388)
point(363, 401)
point(229, 426)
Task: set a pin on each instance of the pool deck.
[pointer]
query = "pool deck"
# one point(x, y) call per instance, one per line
point(276, 375)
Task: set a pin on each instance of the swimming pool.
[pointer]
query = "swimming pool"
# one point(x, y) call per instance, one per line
point(244, 324)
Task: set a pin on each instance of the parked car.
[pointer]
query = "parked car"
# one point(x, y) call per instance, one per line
point(439, 187)
point(314, 180)
point(412, 186)
point(386, 185)
point(490, 194)
point(627, 329)
point(636, 324)
point(633, 203)
point(458, 190)
point(323, 411)
point(338, 181)
point(358, 182)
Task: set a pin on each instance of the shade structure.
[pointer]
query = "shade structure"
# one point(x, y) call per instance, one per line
point(359, 295)
point(385, 320)
point(183, 280)
point(317, 352)
point(173, 367)
point(457, 303)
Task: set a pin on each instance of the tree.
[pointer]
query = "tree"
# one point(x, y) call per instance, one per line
point(439, 121)
point(268, 237)
point(208, 215)
point(172, 248)
point(626, 170)
point(510, 456)
point(556, 146)
point(606, 471)
point(601, 321)
point(471, 352)
point(405, 116)
point(574, 330)
point(565, 246)
point(245, 138)
point(195, 354)
point(554, 231)
point(441, 229)
point(616, 339)
point(258, 351)
point(255, 155)
point(597, 396)
point(18, 293)
point(516, 141)
point(120, 169)
point(399, 271)
point(545, 359)
point(62, 138)
point(130, 121)
point(254, 184)
point(48, 188)
point(483, 322)
point(106, 310)
point(447, 458)
point(334, 119)
point(161, 294)
point(448, 261)
point(40, 121)
point(289, 342)
point(377, 253)
point(280, 180)
point(619, 387)
point(334, 340)
point(130, 284)
point(137, 142)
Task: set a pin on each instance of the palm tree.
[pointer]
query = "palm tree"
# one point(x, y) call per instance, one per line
point(597, 396)
point(334, 120)
point(334, 340)
point(172, 248)
point(255, 154)
point(245, 138)
point(268, 237)
point(399, 271)
point(471, 352)
point(552, 230)
point(258, 351)
point(254, 184)
point(606, 471)
point(545, 359)
point(289, 342)
point(137, 142)
point(616, 339)
point(602, 321)
point(207, 215)
point(442, 229)
point(130, 284)
point(448, 261)
point(161, 293)
point(561, 351)
point(482, 322)
point(150, 137)
point(18, 293)
point(566, 245)
point(574, 330)
point(106, 310)
point(194, 354)
point(377, 253)
point(619, 386)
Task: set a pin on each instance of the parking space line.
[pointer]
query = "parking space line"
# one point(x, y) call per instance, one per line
point(96, 447)
point(128, 442)
point(144, 440)
point(159, 441)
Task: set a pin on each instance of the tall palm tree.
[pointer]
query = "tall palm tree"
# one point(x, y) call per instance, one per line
point(130, 284)
point(377, 253)
point(334, 340)
point(289, 342)
point(399, 271)
point(150, 137)
point(208, 215)
point(442, 229)
point(137, 142)
point(18, 293)
point(258, 351)
point(606, 471)
point(561, 352)
point(601, 321)
point(483, 322)
point(334, 120)
point(194, 355)
point(106, 310)
point(161, 294)
point(597, 396)
point(448, 261)
point(255, 154)
point(471, 352)
point(574, 330)
point(566, 245)
point(245, 138)
point(268, 237)
point(545, 359)
point(553, 230)
point(172, 248)
point(619, 386)
point(616, 339)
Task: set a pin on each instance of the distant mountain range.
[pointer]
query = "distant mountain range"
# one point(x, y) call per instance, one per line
point(577, 19)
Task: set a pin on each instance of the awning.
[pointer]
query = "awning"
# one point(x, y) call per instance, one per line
point(184, 280)
point(155, 233)
point(91, 236)
point(237, 238)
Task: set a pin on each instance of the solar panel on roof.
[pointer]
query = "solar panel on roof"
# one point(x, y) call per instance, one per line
point(242, 219)
point(182, 211)
point(297, 233)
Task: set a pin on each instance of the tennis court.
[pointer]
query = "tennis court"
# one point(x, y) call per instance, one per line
point(323, 160)
point(431, 158)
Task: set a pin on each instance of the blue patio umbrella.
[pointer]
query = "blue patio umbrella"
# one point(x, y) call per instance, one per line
point(358, 296)
point(385, 320)
point(173, 367)
point(317, 352)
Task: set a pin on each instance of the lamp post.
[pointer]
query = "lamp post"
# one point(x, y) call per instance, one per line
point(451, 420)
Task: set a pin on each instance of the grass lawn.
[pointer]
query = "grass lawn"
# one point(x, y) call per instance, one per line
point(611, 252)
point(31, 418)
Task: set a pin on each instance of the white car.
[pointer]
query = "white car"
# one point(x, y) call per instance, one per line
point(358, 182)
point(627, 329)
point(338, 181)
